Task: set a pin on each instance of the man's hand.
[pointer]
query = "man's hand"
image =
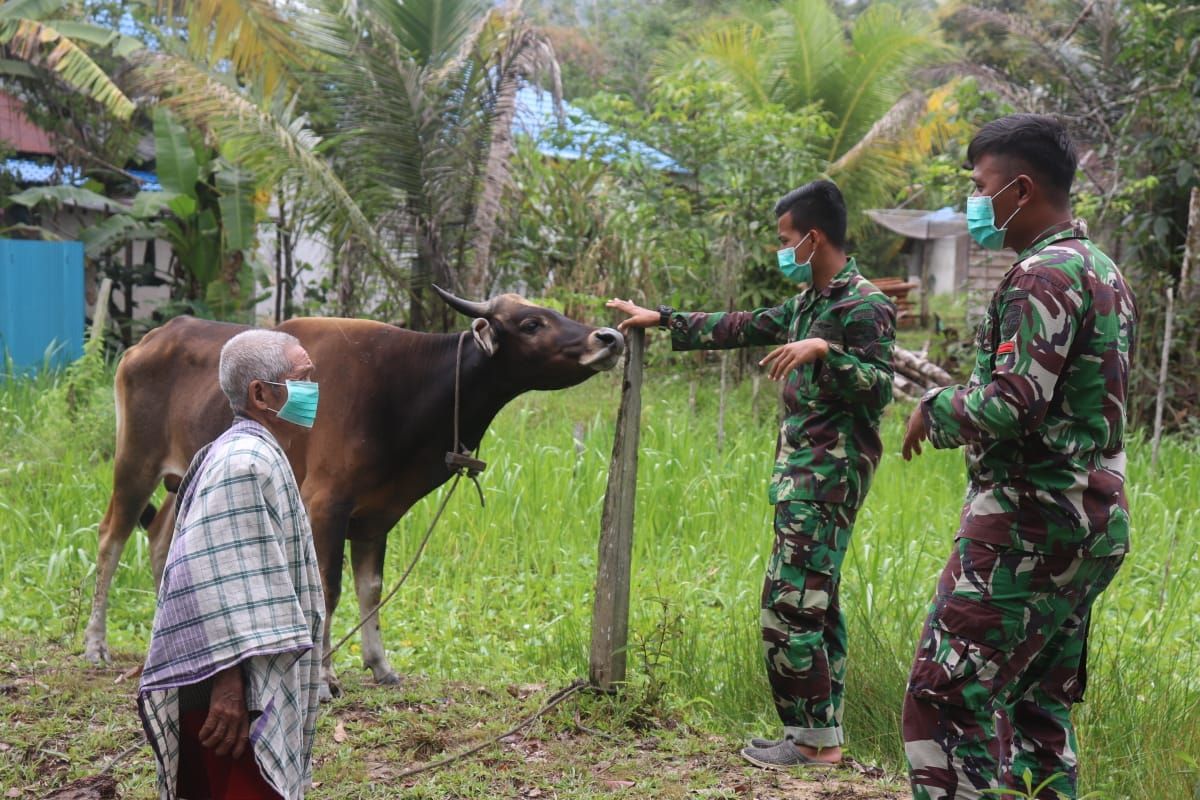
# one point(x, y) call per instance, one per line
point(638, 317)
point(783, 360)
point(226, 729)
point(915, 434)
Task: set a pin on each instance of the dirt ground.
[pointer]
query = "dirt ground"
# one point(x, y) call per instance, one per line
point(63, 721)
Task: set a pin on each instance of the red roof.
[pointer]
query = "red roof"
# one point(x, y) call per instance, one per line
point(18, 133)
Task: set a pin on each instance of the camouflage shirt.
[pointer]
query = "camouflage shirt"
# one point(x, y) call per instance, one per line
point(1043, 416)
point(828, 444)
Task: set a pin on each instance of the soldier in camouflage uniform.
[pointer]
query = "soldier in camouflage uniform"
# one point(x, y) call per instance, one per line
point(1045, 525)
point(835, 362)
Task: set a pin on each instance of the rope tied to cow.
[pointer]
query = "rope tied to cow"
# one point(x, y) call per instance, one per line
point(461, 460)
point(461, 463)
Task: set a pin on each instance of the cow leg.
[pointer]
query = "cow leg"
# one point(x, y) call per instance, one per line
point(132, 489)
point(367, 550)
point(329, 520)
point(160, 533)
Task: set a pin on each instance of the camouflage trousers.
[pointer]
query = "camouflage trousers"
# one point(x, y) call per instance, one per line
point(1001, 660)
point(804, 634)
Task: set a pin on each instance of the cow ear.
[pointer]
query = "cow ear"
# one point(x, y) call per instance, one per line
point(485, 336)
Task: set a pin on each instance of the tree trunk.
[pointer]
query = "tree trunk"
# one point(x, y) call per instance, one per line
point(1160, 398)
point(721, 403)
point(495, 180)
point(347, 301)
point(1189, 283)
point(127, 316)
point(280, 284)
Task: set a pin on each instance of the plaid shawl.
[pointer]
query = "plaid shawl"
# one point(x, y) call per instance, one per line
point(241, 586)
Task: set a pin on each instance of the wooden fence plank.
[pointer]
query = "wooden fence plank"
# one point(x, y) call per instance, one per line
point(610, 613)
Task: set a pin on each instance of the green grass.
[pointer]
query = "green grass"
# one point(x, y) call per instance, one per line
point(504, 594)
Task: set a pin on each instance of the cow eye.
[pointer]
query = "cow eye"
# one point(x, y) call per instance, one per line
point(530, 325)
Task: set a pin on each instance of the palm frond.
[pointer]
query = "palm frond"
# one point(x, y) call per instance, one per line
point(15, 10)
point(263, 138)
point(887, 44)
point(811, 44)
point(737, 54)
point(42, 45)
point(899, 119)
point(255, 36)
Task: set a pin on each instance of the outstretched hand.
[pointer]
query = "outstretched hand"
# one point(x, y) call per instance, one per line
point(914, 434)
point(782, 360)
point(638, 317)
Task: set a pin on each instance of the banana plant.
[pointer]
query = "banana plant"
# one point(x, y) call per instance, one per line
point(205, 211)
point(38, 37)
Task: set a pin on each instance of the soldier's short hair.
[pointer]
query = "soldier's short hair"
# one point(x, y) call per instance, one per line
point(819, 205)
point(1038, 140)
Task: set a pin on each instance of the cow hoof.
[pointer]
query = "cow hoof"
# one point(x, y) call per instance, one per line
point(96, 653)
point(389, 678)
point(328, 691)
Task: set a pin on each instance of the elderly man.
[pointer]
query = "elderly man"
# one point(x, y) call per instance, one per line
point(229, 693)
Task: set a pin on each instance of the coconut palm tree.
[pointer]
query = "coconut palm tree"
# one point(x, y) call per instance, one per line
point(421, 96)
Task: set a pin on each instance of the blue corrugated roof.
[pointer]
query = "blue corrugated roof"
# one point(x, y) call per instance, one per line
point(149, 181)
point(580, 134)
point(27, 170)
point(576, 135)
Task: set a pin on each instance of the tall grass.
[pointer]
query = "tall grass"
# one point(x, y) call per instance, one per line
point(504, 593)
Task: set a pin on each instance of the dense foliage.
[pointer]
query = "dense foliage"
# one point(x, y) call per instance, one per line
point(384, 131)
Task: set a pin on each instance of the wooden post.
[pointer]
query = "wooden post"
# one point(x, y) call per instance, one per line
point(100, 311)
point(610, 613)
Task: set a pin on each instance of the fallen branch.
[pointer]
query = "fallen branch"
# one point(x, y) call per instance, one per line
point(555, 699)
point(920, 370)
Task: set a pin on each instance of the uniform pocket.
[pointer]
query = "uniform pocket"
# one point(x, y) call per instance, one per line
point(963, 651)
point(811, 536)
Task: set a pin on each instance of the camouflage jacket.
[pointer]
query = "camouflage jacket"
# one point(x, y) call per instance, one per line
point(828, 444)
point(1043, 416)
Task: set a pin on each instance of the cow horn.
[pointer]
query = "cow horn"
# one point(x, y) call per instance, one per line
point(468, 307)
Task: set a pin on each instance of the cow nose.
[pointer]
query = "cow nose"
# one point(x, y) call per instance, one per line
point(608, 337)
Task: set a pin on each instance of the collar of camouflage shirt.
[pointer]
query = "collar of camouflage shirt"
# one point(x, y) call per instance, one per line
point(1076, 231)
point(841, 279)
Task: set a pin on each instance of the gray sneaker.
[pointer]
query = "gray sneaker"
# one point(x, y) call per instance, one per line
point(760, 744)
point(783, 756)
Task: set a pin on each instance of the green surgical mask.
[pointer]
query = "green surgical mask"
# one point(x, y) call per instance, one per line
point(981, 220)
point(796, 273)
point(301, 405)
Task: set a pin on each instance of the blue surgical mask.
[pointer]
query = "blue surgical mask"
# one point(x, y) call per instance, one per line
point(301, 405)
point(796, 273)
point(981, 220)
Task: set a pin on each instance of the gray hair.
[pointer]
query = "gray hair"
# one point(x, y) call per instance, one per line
point(253, 355)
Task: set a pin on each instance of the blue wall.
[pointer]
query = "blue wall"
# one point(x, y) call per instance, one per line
point(41, 302)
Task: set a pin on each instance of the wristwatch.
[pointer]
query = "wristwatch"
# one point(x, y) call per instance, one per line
point(664, 316)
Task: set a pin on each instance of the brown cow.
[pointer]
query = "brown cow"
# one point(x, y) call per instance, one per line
point(383, 428)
